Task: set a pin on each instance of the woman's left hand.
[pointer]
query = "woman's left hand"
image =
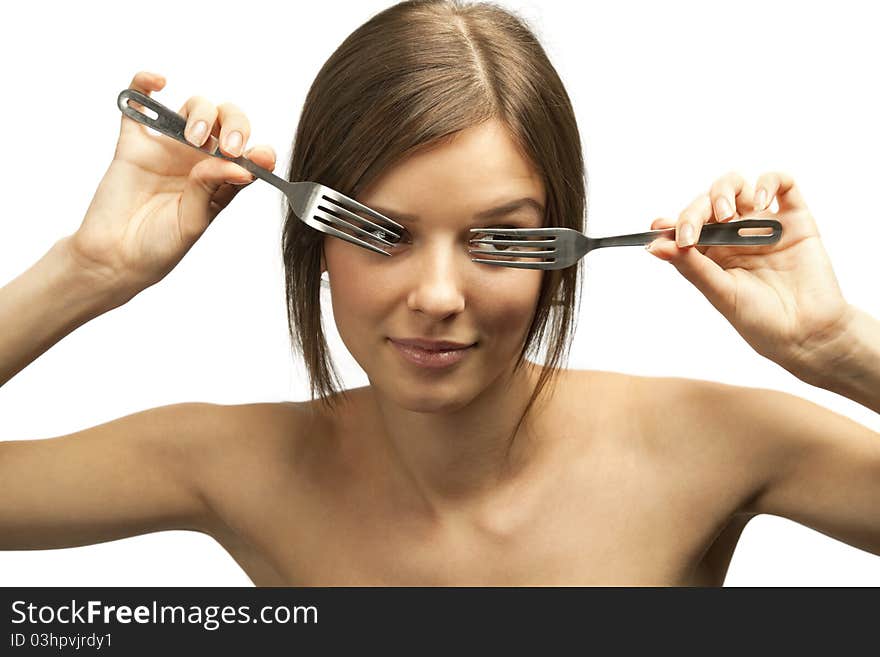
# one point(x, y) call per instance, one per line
point(783, 298)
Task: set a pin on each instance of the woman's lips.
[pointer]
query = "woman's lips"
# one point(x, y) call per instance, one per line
point(430, 359)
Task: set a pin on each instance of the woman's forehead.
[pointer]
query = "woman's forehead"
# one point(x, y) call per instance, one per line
point(472, 186)
point(483, 155)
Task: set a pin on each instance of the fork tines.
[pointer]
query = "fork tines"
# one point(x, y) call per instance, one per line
point(546, 256)
point(338, 210)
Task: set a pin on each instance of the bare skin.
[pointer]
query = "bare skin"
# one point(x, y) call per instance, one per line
point(610, 501)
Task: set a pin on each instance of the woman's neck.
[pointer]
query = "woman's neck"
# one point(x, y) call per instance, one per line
point(457, 459)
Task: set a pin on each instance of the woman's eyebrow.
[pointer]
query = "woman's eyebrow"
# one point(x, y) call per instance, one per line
point(499, 211)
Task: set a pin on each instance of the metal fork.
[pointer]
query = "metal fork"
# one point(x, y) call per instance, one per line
point(316, 205)
point(559, 248)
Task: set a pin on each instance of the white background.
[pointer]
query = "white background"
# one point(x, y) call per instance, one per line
point(668, 97)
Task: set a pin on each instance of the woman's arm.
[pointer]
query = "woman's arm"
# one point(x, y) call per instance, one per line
point(145, 471)
point(156, 199)
point(45, 303)
point(797, 459)
point(807, 463)
point(133, 475)
point(846, 359)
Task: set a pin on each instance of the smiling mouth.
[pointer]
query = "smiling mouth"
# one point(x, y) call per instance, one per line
point(432, 359)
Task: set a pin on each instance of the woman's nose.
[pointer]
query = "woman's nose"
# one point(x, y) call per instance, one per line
point(437, 288)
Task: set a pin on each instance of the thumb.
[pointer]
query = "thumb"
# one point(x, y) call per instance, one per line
point(207, 192)
point(704, 273)
point(144, 82)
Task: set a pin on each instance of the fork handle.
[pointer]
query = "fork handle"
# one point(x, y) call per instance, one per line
point(726, 233)
point(171, 124)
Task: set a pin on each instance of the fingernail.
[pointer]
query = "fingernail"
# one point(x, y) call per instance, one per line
point(722, 209)
point(685, 236)
point(761, 199)
point(233, 143)
point(241, 182)
point(197, 133)
point(649, 245)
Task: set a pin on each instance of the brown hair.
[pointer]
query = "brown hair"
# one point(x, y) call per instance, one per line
point(410, 77)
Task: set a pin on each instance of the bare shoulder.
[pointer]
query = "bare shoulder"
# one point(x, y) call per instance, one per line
point(685, 447)
point(705, 424)
point(243, 435)
point(243, 451)
point(687, 428)
point(216, 429)
point(678, 412)
point(602, 400)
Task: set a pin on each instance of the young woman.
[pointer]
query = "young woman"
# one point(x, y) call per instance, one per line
point(494, 469)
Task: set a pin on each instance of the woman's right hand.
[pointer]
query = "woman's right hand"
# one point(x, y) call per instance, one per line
point(158, 196)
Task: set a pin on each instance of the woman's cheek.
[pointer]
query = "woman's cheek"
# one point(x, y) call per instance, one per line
point(356, 312)
point(507, 310)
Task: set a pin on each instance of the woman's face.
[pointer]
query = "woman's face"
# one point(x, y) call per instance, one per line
point(429, 288)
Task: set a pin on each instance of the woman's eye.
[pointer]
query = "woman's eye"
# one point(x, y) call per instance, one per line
point(497, 237)
point(405, 237)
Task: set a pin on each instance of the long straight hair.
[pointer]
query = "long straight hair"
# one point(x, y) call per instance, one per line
point(411, 77)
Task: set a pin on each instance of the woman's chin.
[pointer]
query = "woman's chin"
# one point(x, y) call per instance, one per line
point(439, 400)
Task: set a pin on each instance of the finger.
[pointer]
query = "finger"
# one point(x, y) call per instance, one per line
point(690, 221)
point(745, 200)
point(204, 195)
point(725, 195)
point(703, 272)
point(782, 187)
point(262, 155)
point(145, 82)
point(235, 129)
point(201, 116)
point(224, 195)
point(662, 222)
